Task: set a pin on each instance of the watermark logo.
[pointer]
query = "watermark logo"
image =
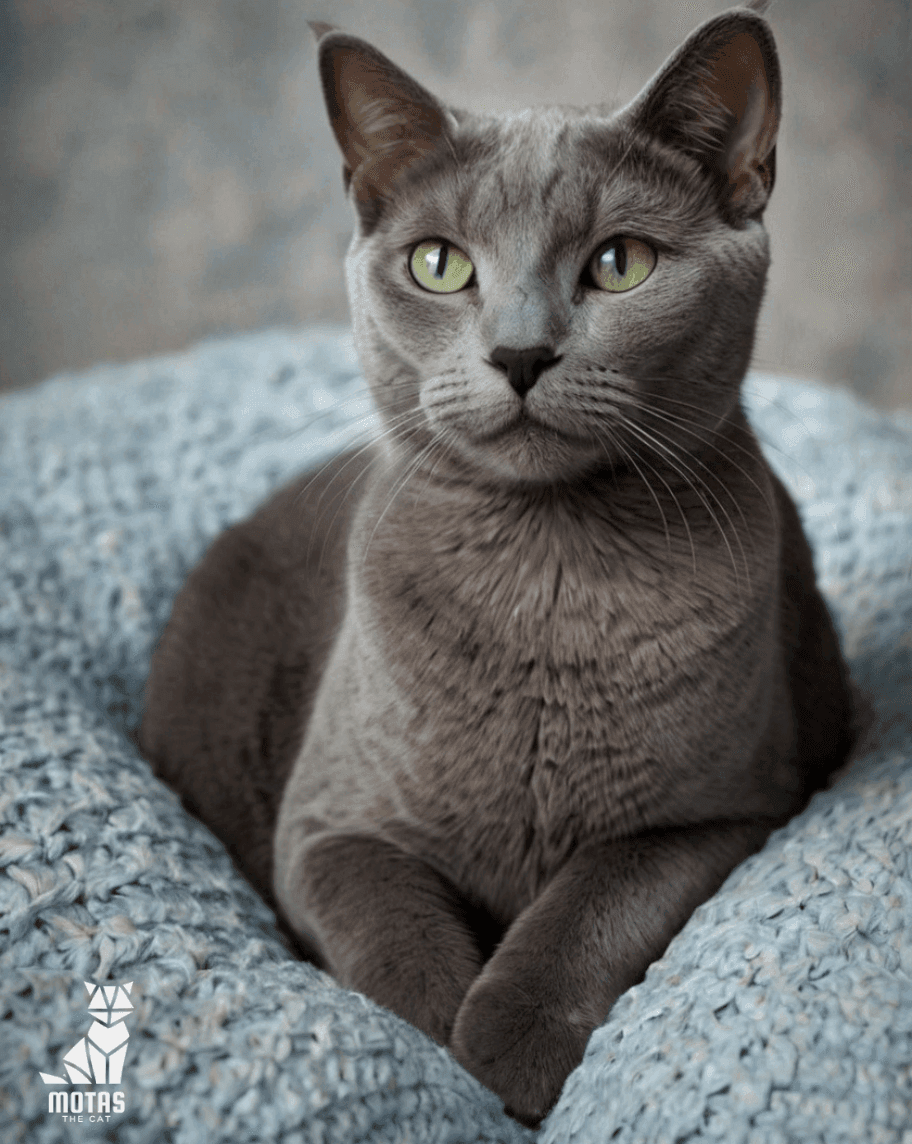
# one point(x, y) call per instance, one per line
point(97, 1058)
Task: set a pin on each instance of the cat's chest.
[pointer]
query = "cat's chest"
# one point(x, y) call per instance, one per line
point(548, 678)
point(572, 629)
point(591, 723)
point(495, 707)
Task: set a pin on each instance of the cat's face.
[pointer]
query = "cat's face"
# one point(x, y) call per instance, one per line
point(537, 294)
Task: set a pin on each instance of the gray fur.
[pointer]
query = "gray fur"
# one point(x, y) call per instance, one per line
point(513, 690)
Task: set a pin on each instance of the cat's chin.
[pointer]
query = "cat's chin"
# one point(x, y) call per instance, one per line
point(529, 452)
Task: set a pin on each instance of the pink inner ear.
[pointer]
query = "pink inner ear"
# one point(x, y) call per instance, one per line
point(738, 81)
point(736, 68)
point(383, 120)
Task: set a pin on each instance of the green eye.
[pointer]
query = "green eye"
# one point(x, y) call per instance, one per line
point(440, 267)
point(621, 264)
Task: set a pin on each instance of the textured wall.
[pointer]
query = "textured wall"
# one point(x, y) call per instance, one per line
point(166, 170)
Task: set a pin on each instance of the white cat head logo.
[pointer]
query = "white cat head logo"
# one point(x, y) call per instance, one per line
point(99, 1056)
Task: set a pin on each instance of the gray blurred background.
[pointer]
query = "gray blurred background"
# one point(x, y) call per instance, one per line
point(167, 172)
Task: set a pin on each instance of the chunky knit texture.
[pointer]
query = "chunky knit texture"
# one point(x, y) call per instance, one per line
point(782, 1012)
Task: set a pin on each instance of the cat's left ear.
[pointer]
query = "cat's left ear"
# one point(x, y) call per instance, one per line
point(718, 98)
point(383, 120)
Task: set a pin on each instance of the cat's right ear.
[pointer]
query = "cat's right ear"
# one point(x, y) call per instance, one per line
point(384, 122)
point(718, 99)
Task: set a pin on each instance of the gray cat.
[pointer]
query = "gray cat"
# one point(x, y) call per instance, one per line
point(488, 708)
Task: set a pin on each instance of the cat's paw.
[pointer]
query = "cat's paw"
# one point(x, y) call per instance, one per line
point(425, 994)
point(519, 1042)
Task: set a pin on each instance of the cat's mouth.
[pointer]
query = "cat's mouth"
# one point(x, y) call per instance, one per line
point(525, 426)
point(522, 425)
point(527, 448)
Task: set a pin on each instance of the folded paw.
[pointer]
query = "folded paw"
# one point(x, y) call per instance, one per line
point(519, 1041)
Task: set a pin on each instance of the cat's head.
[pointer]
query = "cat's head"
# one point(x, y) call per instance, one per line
point(538, 293)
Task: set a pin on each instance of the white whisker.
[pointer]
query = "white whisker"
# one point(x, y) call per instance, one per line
point(659, 436)
point(772, 445)
point(630, 457)
point(675, 461)
point(412, 468)
point(676, 421)
point(375, 438)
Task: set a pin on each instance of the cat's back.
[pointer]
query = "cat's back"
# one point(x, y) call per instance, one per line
point(233, 679)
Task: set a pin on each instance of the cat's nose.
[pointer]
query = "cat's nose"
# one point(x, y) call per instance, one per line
point(523, 367)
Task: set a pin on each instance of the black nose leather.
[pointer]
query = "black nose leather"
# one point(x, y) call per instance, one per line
point(523, 367)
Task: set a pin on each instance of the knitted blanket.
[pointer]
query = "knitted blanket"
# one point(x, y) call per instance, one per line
point(782, 1012)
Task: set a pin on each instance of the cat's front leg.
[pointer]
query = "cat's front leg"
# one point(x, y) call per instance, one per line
point(589, 936)
point(385, 923)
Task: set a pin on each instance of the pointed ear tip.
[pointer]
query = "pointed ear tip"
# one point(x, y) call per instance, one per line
point(320, 29)
point(748, 20)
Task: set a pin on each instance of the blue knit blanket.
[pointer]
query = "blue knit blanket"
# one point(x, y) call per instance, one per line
point(782, 1012)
